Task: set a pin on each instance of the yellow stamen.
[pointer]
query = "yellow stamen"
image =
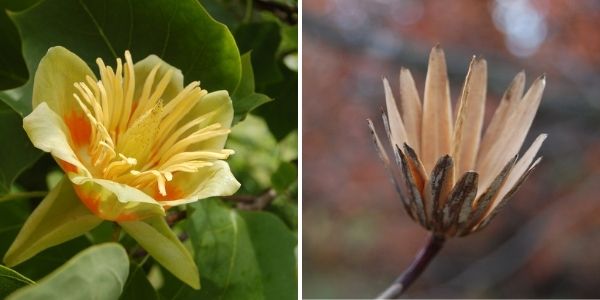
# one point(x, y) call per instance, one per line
point(141, 142)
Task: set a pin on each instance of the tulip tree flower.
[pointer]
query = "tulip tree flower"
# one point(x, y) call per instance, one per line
point(452, 179)
point(132, 143)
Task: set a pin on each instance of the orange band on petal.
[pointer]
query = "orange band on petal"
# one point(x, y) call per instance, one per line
point(79, 127)
point(91, 202)
point(67, 167)
point(173, 193)
point(127, 217)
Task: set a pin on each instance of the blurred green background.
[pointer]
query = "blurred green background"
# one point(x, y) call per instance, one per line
point(356, 236)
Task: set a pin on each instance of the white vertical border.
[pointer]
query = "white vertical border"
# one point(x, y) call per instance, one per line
point(300, 73)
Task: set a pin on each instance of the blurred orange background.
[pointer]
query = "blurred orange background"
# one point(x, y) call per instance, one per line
point(356, 236)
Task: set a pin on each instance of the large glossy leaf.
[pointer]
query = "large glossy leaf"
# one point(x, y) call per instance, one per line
point(17, 5)
point(49, 260)
point(12, 216)
point(262, 38)
point(98, 272)
point(60, 217)
point(17, 153)
point(180, 32)
point(245, 98)
point(155, 236)
point(285, 183)
point(11, 280)
point(274, 247)
point(13, 71)
point(243, 255)
point(282, 113)
point(138, 286)
point(229, 12)
point(269, 40)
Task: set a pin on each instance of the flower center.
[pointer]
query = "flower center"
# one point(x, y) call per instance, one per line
point(142, 142)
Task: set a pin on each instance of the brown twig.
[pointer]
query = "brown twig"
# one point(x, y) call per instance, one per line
point(425, 256)
point(116, 234)
point(248, 202)
point(175, 216)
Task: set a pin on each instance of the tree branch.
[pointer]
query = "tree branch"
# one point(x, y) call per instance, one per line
point(175, 216)
point(249, 202)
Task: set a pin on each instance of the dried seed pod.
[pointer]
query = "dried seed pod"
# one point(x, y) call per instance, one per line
point(454, 178)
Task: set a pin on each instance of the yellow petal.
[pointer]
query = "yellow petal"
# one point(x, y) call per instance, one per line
point(143, 69)
point(48, 132)
point(212, 181)
point(155, 236)
point(218, 102)
point(58, 70)
point(57, 219)
point(115, 201)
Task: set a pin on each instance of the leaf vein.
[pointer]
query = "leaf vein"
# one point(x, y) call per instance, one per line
point(99, 28)
point(232, 215)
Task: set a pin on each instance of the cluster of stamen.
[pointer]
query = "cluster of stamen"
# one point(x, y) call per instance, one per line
point(140, 142)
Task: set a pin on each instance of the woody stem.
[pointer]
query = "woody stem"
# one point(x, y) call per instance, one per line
point(421, 261)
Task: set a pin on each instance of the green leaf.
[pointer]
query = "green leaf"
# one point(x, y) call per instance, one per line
point(98, 272)
point(286, 209)
point(288, 147)
point(243, 255)
point(285, 176)
point(103, 233)
point(155, 236)
point(13, 71)
point(289, 39)
point(17, 152)
point(49, 260)
point(12, 216)
point(274, 248)
point(17, 5)
point(255, 156)
point(244, 98)
point(282, 114)
point(285, 182)
point(58, 218)
point(11, 280)
point(257, 153)
point(229, 12)
point(138, 286)
point(262, 38)
point(180, 32)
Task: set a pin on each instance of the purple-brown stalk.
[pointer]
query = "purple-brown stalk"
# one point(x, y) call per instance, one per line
point(425, 256)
